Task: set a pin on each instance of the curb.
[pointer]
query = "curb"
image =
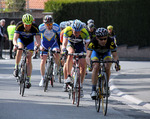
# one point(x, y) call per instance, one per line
point(127, 97)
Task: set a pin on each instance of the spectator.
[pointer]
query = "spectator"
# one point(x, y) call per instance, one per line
point(11, 30)
point(2, 36)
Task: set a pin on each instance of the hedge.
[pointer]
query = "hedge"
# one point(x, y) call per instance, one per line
point(129, 17)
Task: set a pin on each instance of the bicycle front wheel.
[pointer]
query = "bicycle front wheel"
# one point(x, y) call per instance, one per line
point(104, 94)
point(77, 87)
point(22, 79)
point(98, 99)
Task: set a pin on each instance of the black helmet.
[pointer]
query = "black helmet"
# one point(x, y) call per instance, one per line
point(101, 32)
point(48, 19)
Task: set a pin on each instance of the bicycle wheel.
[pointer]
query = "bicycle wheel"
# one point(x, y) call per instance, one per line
point(104, 94)
point(98, 99)
point(77, 88)
point(22, 79)
point(52, 81)
point(46, 81)
point(60, 73)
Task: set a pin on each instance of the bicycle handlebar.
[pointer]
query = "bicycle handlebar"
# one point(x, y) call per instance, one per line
point(77, 54)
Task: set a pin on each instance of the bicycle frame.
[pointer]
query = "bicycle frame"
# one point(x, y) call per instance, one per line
point(49, 69)
point(75, 89)
point(102, 89)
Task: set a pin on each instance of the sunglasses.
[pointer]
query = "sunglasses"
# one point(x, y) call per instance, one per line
point(50, 24)
point(102, 39)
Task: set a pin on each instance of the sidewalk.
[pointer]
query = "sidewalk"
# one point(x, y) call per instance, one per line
point(133, 85)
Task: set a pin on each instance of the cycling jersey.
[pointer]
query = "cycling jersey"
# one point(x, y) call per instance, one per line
point(92, 34)
point(48, 37)
point(61, 35)
point(26, 36)
point(102, 51)
point(84, 35)
point(110, 45)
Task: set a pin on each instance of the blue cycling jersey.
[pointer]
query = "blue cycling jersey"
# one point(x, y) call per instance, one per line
point(48, 37)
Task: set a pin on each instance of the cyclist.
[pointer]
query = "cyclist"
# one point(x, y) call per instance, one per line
point(23, 37)
point(49, 34)
point(91, 29)
point(90, 21)
point(73, 42)
point(101, 46)
point(111, 32)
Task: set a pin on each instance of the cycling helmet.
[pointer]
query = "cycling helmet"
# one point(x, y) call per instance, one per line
point(77, 25)
point(110, 27)
point(101, 32)
point(27, 19)
point(90, 21)
point(62, 25)
point(84, 25)
point(90, 25)
point(48, 19)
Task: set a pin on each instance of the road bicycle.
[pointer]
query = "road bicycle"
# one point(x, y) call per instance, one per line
point(22, 74)
point(102, 87)
point(60, 71)
point(49, 75)
point(74, 89)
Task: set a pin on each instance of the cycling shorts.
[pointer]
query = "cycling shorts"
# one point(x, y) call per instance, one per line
point(78, 47)
point(96, 56)
point(54, 46)
point(29, 46)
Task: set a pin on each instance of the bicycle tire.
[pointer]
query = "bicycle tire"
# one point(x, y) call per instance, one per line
point(46, 81)
point(52, 81)
point(98, 99)
point(60, 74)
point(77, 89)
point(104, 94)
point(22, 80)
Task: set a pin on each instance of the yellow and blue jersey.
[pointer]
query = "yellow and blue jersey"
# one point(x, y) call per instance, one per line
point(84, 35)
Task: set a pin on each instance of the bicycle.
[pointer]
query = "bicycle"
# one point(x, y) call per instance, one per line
point(49, 76)
point(22, 74)
point(74, 89)
point(60, 71)
point(102, 87)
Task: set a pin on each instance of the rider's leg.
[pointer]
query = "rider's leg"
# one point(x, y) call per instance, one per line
point(29, 64)
point(82, 64)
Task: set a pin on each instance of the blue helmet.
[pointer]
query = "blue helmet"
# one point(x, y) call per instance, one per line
point(77, 25)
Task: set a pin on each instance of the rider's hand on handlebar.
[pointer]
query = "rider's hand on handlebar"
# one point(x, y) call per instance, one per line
point(15, 47)
point(64, 51)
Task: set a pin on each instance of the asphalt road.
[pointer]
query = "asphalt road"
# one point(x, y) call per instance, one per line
point(128, 86)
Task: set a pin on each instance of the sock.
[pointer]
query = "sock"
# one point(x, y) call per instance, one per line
point(42, 77)
point(29, 78)
point(16, 66)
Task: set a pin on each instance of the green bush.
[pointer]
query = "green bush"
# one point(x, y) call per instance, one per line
point(129, 17)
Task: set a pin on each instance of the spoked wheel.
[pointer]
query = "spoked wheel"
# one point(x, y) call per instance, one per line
point(73, 96)
point(22, 79)
point(98, 100)
point(46, 84)
point(22, 87)
point(77, 89)
point(60, 74)
point(104, 94)
point(52, 81)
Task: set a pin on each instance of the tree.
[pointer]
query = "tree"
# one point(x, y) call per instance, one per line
point(15, 5)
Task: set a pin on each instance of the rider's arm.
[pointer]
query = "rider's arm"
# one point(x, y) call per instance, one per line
point(38, 40)
point(16, 36)
point(64, 43)
point(88, 57)
point(115, 56)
